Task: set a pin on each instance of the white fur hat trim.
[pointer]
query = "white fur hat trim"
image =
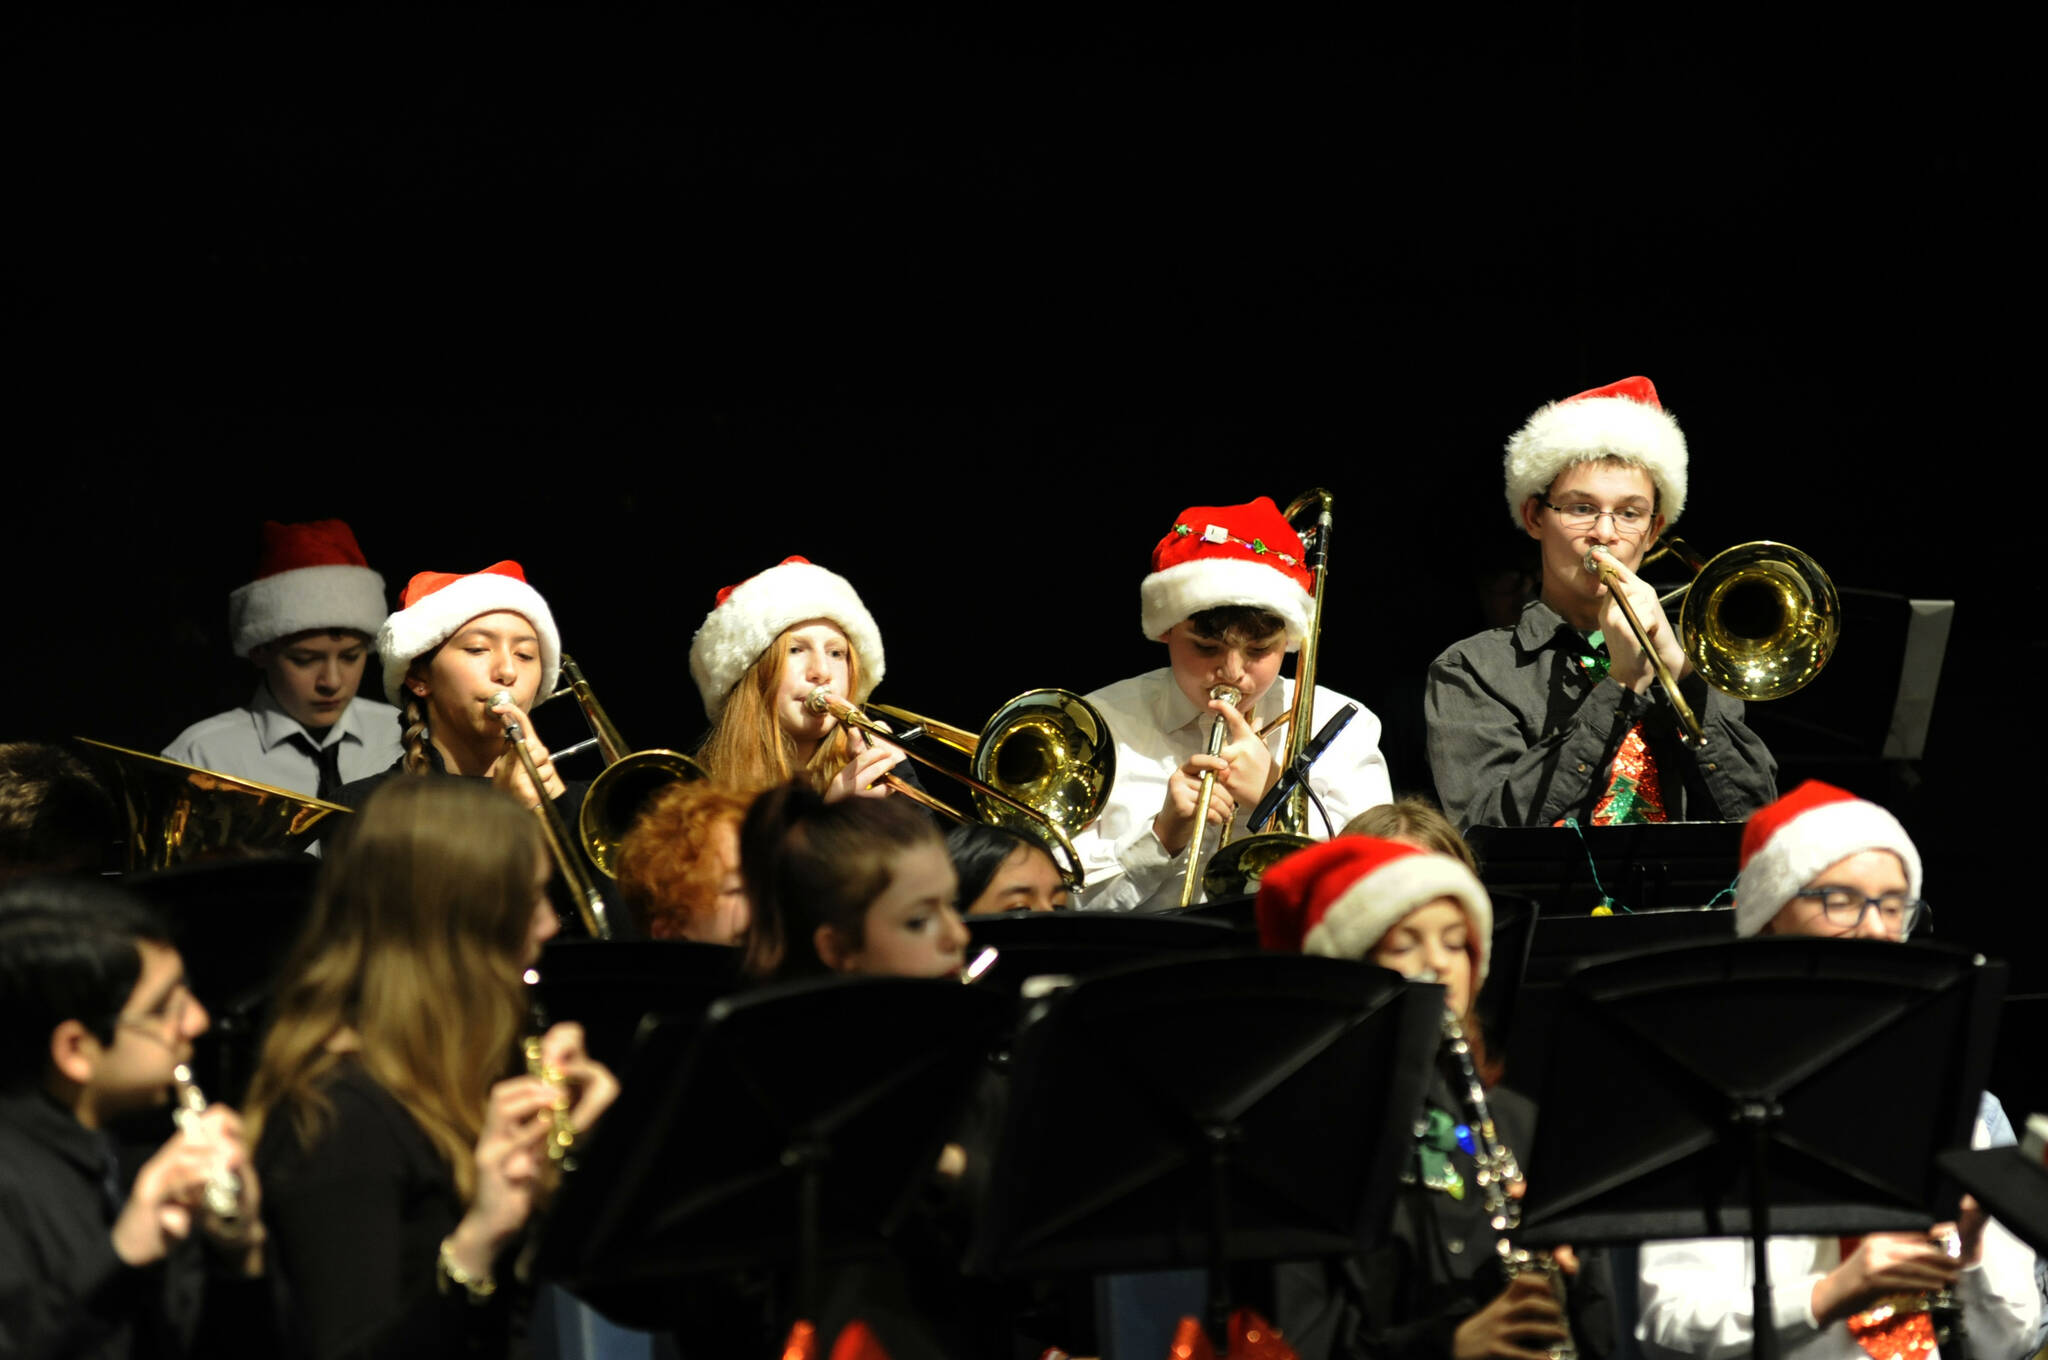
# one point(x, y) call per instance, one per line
point(1810, 843)
point(760, 609)
point(1376, 902)
point(333, 596)
point(1566, 433)
point(414, 631)
point(1171, 595)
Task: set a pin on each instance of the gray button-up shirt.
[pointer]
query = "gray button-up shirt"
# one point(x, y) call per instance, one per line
point(257, 742)
point(1520, 734)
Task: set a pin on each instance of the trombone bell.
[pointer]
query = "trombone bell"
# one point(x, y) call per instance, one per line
point(1760, 620)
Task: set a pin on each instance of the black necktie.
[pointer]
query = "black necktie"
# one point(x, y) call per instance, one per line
point(328, 758)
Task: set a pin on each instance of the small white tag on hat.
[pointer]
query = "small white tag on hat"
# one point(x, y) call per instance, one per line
point(1215, 533)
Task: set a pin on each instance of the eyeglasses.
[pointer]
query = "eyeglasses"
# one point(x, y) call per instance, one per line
point(1631, 521)
point(1846, 908)
point(166, 1015)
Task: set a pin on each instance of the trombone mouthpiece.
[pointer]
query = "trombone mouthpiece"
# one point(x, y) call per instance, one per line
point(1229, 694)
point(819, 700)
point(503, 698)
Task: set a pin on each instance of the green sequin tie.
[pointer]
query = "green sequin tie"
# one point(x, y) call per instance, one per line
point(1436, 1136)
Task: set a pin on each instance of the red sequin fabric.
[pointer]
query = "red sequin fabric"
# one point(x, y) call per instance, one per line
point(1634, 792)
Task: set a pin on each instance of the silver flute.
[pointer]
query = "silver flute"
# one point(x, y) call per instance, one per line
point(223, 1194)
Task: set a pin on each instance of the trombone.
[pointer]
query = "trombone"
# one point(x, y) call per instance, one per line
point(1759, 622)
point(1046, 758)
point(1237, 867)
point(629, 778)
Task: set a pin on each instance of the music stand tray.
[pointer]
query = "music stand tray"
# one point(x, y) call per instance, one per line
point(1079, 943)
point(1646, 867)
point(1252, 1107)
point(793, 1126)
point(1749, 1056)
point(610, 987)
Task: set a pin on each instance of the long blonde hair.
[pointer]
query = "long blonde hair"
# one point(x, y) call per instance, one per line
point(414, 949)
point(747, 750)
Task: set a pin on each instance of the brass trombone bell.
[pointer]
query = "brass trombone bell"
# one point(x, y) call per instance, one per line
point(629, 778)
point(178, 813)
point(1759, 620)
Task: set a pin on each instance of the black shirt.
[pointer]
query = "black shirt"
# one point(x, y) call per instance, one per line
point(63, 1291)
point(356, 1222)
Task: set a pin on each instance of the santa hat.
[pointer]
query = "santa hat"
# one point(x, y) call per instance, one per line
point(1784, 844)
point(1219, 555)
point(761, 608)
point(309, 576)
point(1622, 420)
point(1337, 899)
point(436, 603)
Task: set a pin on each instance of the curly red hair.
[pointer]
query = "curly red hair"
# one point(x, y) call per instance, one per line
point(668, 867)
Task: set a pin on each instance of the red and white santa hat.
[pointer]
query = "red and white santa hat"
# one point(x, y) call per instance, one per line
point(1338, 898)
point(1219, 555)
point(309, 576)
point(436, 603)
point(1622, 420)
point(761, 608)
point(1784, 844)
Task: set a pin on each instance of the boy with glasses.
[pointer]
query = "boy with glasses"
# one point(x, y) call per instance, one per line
point(95, 1017)
point(1823, 862)
point(1557, 716)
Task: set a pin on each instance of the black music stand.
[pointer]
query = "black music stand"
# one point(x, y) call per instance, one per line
point(234, 921)
point(1080, 943)
point(793, 1126)
point(1256, 1107)
point(1648, 867)
point(610, 987)
point(1239, 913)
point(1742, 1068)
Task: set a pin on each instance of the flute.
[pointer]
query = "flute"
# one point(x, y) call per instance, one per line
point(223, 1195)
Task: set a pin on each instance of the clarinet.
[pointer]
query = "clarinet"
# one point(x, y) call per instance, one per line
point(1495, 1169)
point(1945, 1310)
point(223, 1195)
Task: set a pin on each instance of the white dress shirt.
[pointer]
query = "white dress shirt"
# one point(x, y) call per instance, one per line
point(1696, 1296)
point(1157, 729)
point(258, 742)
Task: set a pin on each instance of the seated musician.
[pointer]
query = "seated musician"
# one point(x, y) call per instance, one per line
point(764, 647)
point(1436, 1290)
point(457, 641)
point(1229, 597)
point(94, 1018)
point(1557, 716)
point(858, 886)
point(679, 865)
point(1414, 820)
point(1822, 862)
point(1003, 869)
point(401, 1135)
point(305, 622)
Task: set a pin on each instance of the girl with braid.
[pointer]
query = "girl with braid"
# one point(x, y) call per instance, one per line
point(769, 642)
point(456, 642)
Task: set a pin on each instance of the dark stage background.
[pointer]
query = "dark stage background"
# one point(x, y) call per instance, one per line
point(968, 312)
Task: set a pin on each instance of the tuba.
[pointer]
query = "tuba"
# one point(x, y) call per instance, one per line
point(177, 813)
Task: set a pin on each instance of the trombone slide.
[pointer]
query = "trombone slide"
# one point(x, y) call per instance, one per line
point(1687, 720)
point(1229, 694)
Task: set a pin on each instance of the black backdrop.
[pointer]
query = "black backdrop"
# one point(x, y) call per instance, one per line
point(969, 311)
